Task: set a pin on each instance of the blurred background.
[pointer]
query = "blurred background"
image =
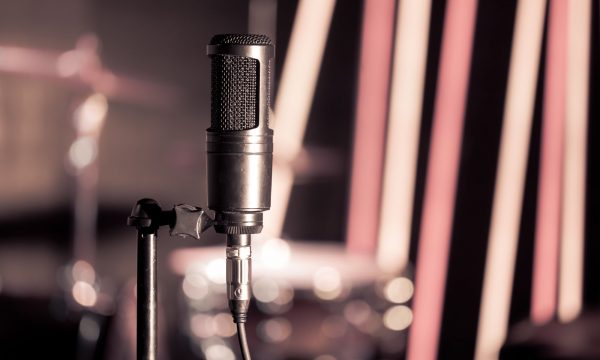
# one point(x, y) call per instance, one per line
point(434, 190)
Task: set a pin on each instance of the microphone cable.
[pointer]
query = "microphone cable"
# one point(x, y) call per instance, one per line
point(241, 333)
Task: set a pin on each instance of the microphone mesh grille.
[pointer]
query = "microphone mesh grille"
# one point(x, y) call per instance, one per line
point(240, 39)
point(234, 93)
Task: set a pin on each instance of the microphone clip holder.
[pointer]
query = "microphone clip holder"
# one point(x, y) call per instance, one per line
point(147, 216)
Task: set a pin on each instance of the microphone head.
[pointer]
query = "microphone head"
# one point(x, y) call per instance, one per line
point(240, 39)
point(235, 78)
point(239, 141)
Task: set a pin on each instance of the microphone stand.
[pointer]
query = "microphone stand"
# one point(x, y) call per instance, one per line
point(147, 216)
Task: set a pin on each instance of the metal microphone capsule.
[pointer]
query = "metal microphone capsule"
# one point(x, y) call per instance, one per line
point(239, 141)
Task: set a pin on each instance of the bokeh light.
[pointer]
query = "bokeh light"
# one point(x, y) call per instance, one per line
point(202, 326)
point(195, 286)
point(265, 290)
point(89, 329)
point(83, 152)
point(399, 290)
point(275, 330)
point(224, 326)
point(398, 318)
point(219, 352)
point(215, 271)
point(83, 271)
point(84, 294)
point(327, 283)
point(274, 253)
point(91, 114)
point(273, 297)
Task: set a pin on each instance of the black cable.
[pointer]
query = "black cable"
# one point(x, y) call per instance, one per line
point(241, 331)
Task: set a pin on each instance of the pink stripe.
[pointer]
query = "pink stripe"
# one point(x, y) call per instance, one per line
point(371, 115)
point(442, 171)
point(545, 262)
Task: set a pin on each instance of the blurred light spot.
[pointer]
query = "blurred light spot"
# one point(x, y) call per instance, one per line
point(265, 290)
point(83, 152)
point(399, 290)
point(398, 318)
point(83, 271)
point(202, 326)
point(68, 64)
point(357, 312)
point(273, 297)
point(224, 325)
point(275, 253)
point(334, 326)
point(275, 330)
point(89, 117)
point(215, 271)
point(219, 352)
point(195, 286)
point(325, 357)
point(84, 293)
point(89, 329)
point(327, 283)
point(286, 294)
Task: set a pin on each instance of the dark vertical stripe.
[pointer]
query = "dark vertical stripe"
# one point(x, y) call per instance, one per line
point(318, 202)
point(592, 215)
point(286, 13)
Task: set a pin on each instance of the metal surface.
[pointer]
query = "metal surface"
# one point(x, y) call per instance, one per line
point(238, 275)
point(239, 162)
point(189, 220)
point(239, 158)
point(146, 297)
point(147, 216)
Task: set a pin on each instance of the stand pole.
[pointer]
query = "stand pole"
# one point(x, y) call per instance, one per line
point(146, 297)
point(147, 217)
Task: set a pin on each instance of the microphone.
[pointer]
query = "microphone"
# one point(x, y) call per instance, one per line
point(239, 152)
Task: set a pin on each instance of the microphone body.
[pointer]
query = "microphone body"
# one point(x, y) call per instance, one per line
point(239, 152)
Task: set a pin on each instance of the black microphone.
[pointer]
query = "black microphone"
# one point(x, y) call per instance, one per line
point(239, 152)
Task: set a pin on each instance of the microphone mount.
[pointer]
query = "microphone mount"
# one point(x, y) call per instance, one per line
point(147, 216)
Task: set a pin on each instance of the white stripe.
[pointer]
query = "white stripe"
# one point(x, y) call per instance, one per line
point(510, 178)
point(294, 100)
point(402, 144)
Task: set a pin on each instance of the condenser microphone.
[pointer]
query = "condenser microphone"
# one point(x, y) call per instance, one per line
point(239, 152)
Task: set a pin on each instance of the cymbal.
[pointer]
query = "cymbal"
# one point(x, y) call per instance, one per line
point(81, 68)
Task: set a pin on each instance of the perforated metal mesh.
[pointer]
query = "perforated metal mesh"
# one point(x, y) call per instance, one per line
point(240, 39)
point(234, 93)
